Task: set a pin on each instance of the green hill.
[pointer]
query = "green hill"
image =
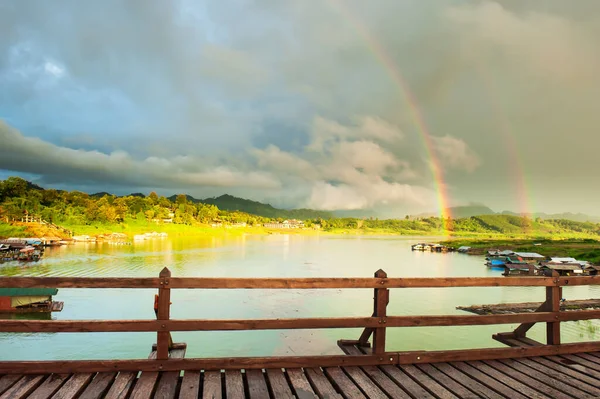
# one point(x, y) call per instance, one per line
point(464, 211)
point(230, 203)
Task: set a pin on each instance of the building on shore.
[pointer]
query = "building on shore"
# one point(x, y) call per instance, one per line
point(286, 224)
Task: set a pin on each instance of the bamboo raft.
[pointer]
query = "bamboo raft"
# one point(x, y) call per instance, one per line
point(512, 308)
point(366, 368)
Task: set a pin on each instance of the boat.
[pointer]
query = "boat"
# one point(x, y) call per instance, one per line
point(29, 254)
point(29, 300)
point(429, 247)
point(503, 261)
point(20, 250)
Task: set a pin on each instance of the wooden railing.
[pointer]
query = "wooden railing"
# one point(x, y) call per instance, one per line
point(376, 325)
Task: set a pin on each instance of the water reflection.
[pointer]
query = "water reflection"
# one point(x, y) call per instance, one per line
point(268, 256)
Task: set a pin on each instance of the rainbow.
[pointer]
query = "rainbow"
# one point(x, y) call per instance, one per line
point(514, 155)
point(417, 117)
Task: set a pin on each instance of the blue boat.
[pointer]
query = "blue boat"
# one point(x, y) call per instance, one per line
point(499, 263)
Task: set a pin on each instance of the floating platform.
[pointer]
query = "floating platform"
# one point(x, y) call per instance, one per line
point(29, 300)
point(511, 308)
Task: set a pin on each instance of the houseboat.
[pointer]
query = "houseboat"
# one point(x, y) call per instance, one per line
point(531, 257)
point(425, 247)
point(503, 261)
point(28, 300)
point(26, 250)
point(526, 269)
point(562, 269)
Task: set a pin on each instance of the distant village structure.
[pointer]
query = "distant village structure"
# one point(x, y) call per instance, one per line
point(286, 224)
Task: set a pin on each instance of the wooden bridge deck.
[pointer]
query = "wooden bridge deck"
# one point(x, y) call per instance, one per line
point(567, 376)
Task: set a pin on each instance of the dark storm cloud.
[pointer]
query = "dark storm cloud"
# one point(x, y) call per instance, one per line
point(279, 100)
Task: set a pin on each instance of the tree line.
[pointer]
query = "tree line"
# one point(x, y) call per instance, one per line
point(19, 197)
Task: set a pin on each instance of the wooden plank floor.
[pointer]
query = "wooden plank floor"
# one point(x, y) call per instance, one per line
point(569, 376)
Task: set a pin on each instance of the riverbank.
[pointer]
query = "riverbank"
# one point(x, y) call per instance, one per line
point(582, 249)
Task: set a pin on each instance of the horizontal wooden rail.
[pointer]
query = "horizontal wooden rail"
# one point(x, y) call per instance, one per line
point(78, 326)
point(292, 283)
point(376, 324)
point(233, 363)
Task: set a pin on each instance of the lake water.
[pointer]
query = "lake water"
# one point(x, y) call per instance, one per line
point(267, 256)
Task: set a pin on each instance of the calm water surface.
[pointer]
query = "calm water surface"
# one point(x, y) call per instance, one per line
point(266, 256)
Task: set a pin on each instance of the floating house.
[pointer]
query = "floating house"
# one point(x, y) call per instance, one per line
point(28, 300)
point(582, 263)
point(26, 250)
point(530, 256)
point(591, 270)
point(526, 269)
point(429, 247)
point(506, 261)
point(51, 241)
point(83, 238)
point(562, 269)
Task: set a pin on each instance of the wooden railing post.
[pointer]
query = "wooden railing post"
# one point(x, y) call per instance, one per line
point(163, 339)
point(380, 311)
point(553, 296)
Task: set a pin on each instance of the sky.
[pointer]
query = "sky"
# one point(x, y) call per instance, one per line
point(402, 106)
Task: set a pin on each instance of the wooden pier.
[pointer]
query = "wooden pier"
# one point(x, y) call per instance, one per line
point(523, 369)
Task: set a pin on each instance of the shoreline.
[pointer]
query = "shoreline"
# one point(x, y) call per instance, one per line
point(587, 248)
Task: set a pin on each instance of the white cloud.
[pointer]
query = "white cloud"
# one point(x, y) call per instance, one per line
point(373, 193)
point(349, 167)
point(455, 153)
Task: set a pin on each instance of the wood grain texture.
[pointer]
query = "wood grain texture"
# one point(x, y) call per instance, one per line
point(300, 384)
point(234, 384)
point(49, 386)
point(481, 377)
point(466, 380)
point(507, 380)
point(6, 381)
point(70, 366)
point(559, 385)
point(145, 384)
point(442, 379)
point(407, 383)
point(99, 386)
point(427, 382)
point(163, 314)
point(122, 385)
point(581, 361)
point(412, 282)
point(293, 283)
point(257, 386)
point(23, 387)
point(190, 385)
point(343, 383)
point(523, 378)
point(321, 384)
point(66, 326)
point(563, 374)
point(279, 384)
point(378, 376)
point(78, 282)
point(74, 386)
point(212, 385)
point(167, 385)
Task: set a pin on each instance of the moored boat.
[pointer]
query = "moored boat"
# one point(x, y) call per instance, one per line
point(28, 300)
